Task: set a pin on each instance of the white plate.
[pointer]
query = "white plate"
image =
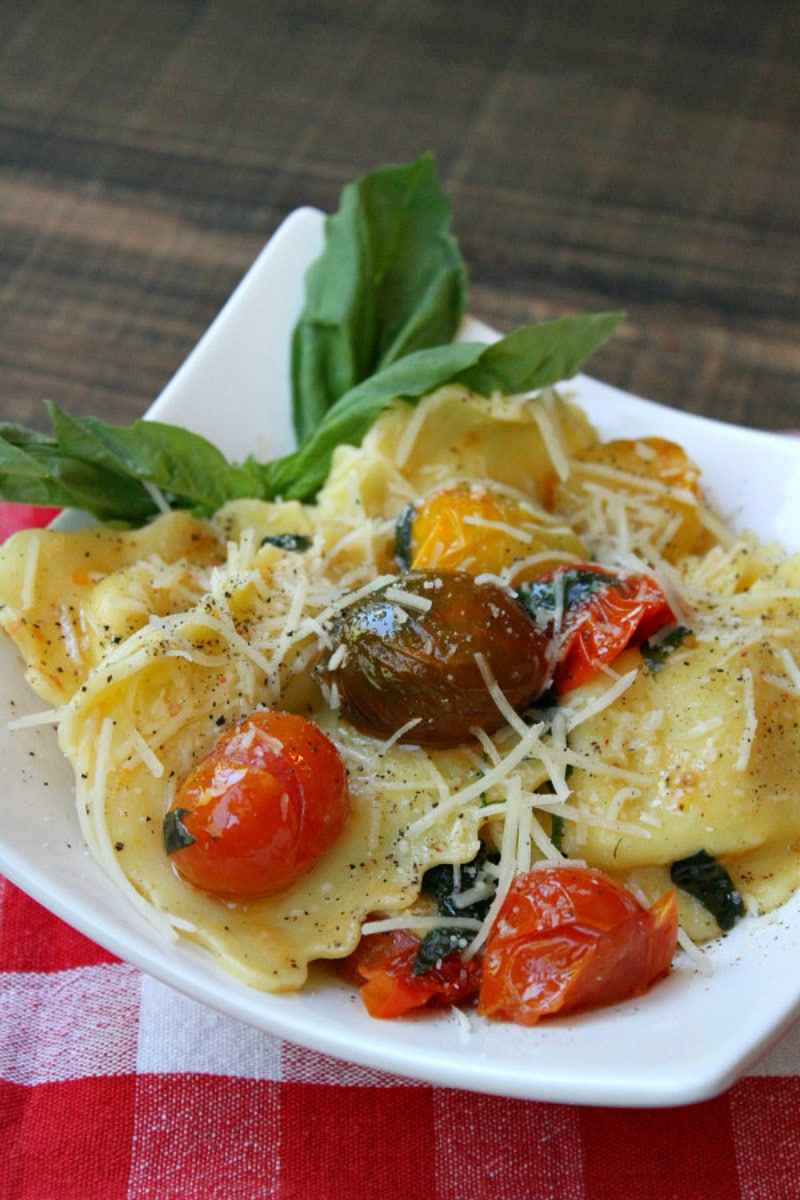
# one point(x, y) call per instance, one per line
point(688, 1039)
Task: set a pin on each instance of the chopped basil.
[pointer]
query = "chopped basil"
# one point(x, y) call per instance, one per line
point(402, 537)
point(705, 878)
point(575, 585)
point(287, 541)
point(557, 832)
point(444, 884)
point(176, 835)
point(656, 650)
point(383, 303)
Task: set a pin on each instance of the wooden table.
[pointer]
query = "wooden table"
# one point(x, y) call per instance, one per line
point(597, 153)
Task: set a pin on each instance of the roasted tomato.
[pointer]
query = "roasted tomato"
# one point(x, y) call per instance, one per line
point(631, 467)
point(601, 614)
point(567, 937)
point(481, 531)
point(382, 968)
point(408, 652)
point(260, 809)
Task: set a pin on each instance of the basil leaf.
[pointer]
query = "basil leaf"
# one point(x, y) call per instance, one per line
point(443, 884)
point(656, 650)
point(109, 470)
point(402, 537)
point(297, 542)
point(176, 835)
point(35, 470)
point(530, 358)
point(577, 585)
point(390, 281)
point(705, 878)
point(436, 945)
point(537, 356)
point(180, 464)
point(557, 831)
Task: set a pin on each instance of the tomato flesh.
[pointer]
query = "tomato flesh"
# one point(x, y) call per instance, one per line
point(261, 808)
point(567, 937)
point(619, 614)
point(382, 968)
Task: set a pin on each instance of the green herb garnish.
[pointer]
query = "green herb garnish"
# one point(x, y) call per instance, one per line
point(287, 541)
point(575, 586)
point(656, 650)
point(402, 537)
point(176, 835)
point(705, 878)
point(557, 824)
point(383, 303)
point(390, 281)
point(444, 884)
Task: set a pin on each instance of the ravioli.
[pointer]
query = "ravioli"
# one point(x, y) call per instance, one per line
point(68, 597)
point(180, 629)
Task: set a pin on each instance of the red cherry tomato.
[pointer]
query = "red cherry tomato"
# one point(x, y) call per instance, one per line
point(611, 616)
point(382, 966)
point(568, 937)
point(260, 809)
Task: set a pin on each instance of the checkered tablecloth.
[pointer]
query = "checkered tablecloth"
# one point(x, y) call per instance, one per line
point(115, 1087)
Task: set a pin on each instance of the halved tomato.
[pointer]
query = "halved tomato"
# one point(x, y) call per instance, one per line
point(568, 937)
point(382, 968)
point(601, 614)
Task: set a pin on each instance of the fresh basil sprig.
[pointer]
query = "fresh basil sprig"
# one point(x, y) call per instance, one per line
point(530, 358)
point(114, 472)
point(110, 470)
point(390, 281)
point(383, 303)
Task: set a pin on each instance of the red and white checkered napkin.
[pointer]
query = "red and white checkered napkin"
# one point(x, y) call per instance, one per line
point(114, 1087)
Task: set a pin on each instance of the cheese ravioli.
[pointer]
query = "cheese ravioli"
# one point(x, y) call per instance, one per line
point(151, 643)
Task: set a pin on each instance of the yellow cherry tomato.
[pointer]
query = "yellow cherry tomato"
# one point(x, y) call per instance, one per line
point(474, 529)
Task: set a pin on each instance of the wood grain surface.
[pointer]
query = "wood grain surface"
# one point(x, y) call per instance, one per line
point(597, 153)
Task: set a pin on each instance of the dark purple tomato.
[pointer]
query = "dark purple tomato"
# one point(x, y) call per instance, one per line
point(422, 648)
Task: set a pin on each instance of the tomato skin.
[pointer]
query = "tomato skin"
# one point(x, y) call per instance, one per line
point(402, 664)
point(483, 532)
point(261, 807)
point(567, 937)
point(381, 967)
point(594, 632)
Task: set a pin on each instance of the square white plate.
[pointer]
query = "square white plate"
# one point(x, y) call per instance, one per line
point(686, 1040)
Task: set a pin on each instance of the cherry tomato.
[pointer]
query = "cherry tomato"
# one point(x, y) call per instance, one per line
point(382, 968)
point(620, 465)
point(567, 937)
point(476, 530)
point(602, 615)
point(260, 809)
point(407, 651)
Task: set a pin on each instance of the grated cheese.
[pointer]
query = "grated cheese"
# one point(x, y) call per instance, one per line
point(750, 721)
point(552, 440)
point(417, 921)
